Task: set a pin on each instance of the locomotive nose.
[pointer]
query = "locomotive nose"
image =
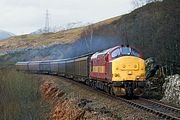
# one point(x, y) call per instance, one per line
point(128, 68)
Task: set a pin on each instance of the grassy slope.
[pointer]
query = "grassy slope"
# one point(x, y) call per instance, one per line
point(34, 41)
point(20, 98)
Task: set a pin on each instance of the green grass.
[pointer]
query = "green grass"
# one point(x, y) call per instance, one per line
point(19, 96)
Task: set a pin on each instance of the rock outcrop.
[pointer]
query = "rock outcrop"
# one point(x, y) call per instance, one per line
point(172, 89)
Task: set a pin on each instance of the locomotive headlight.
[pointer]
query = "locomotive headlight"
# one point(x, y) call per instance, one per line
point(129, 72)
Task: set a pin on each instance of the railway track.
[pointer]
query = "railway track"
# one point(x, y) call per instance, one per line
point(159, 109)
point(168, 111)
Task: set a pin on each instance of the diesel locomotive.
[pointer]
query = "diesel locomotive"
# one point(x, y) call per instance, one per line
point(119, 70)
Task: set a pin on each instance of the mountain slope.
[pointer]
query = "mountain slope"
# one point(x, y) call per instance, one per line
point(5, 34)
point(154, 29)
point(39, 41)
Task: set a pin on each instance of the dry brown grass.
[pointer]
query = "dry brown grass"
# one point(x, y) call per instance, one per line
point(36, 41)
point(19, 96)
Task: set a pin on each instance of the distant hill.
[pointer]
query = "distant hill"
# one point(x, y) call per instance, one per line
point(5, 34)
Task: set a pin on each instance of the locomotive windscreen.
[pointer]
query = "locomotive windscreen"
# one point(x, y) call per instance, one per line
point(123, 51)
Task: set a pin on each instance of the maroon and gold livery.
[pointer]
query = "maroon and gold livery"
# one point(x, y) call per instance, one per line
point(121, 67)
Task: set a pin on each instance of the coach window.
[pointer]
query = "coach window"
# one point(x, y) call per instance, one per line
point(115, 53)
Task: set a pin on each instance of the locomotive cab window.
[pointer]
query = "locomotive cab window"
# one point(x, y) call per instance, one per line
point(126, 51)
point(135, 53)
point(115, 53)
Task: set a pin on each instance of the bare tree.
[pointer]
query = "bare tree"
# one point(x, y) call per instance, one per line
point(88, 37)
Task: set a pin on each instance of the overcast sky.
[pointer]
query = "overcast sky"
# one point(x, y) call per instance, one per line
point(25, 16)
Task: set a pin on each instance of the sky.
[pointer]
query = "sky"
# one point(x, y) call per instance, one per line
point(26, 16)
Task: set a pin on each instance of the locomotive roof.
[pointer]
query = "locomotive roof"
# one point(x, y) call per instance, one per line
point(104, 52)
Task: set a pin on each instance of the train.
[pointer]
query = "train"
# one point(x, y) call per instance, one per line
point(119, 70)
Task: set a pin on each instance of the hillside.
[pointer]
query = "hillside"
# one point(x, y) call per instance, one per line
point(49, 39)
point(57, 45)
point(38, 41)
point(154, 29)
